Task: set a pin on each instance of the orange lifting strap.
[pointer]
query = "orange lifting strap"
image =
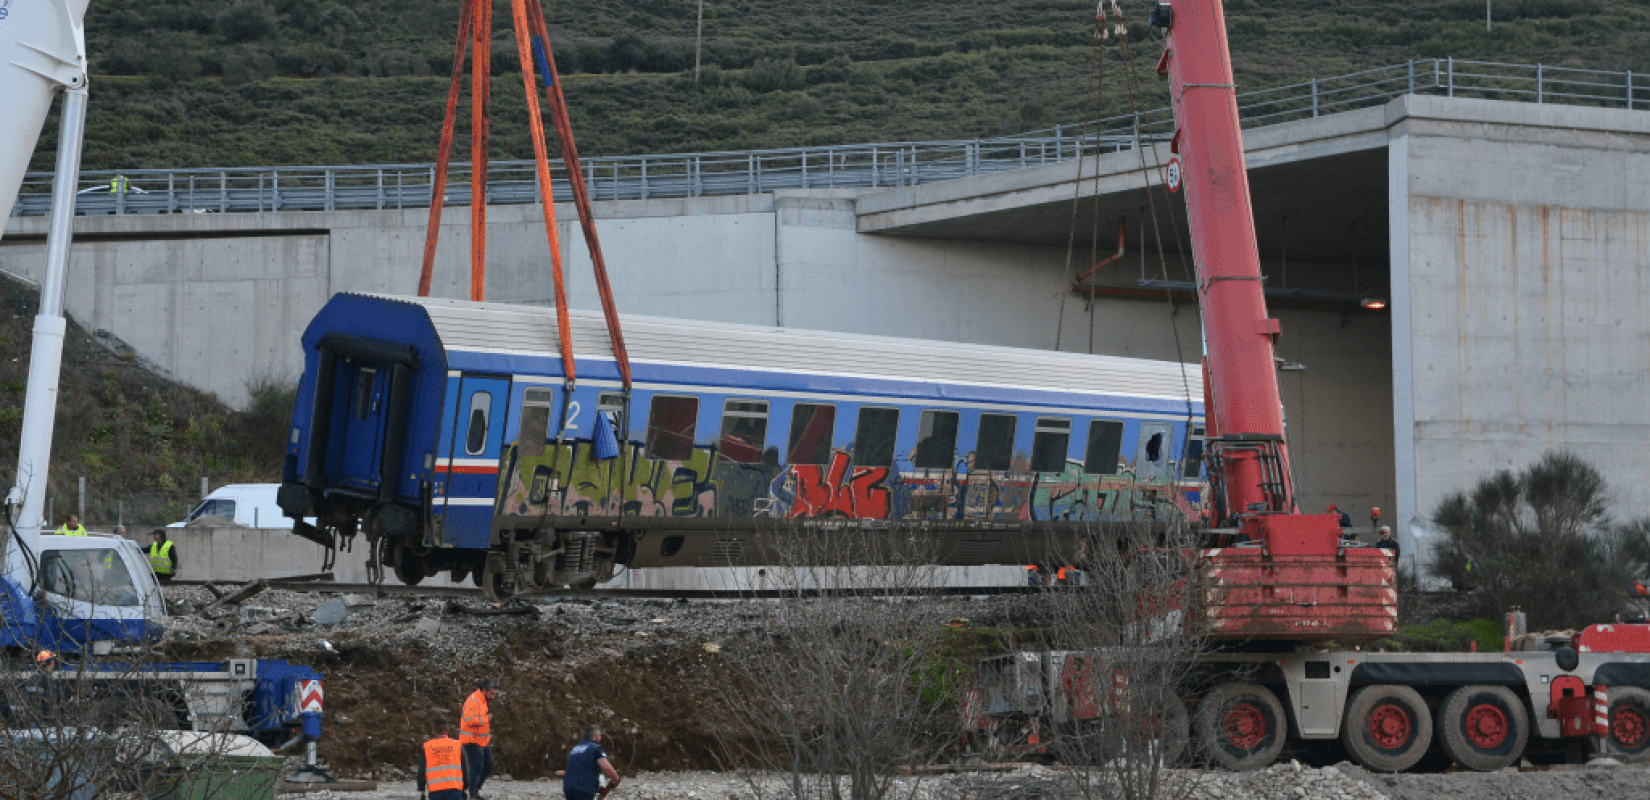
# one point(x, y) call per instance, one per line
point(530, 29)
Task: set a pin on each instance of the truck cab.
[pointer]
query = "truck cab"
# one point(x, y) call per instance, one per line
point(98, 589)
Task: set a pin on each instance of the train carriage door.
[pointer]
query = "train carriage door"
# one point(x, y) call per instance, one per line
point(1156, 448)
point(361, 396)
point(472, 462)
point(363, 391)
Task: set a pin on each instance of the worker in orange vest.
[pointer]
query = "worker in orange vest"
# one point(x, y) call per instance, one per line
point(475, 732)
point(441, 766)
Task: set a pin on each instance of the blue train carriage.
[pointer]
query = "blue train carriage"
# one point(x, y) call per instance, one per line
point(444, 430)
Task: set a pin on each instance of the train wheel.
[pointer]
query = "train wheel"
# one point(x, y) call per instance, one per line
point(493, 582)
point(1630, 724)
point(1240, 727)
point(409, 568)
point(1483, 728)
point(1386, 728)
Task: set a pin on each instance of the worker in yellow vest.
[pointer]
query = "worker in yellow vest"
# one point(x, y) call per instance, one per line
point(441, 766)
point(475, 732)
point(163, 556)
point(72, 527)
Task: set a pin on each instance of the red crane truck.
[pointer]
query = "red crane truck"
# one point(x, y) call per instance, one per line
point(1286, 588)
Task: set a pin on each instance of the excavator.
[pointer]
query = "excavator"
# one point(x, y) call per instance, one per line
point(94, 598)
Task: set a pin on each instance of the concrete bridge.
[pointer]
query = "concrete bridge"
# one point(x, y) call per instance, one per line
point(1511, 240)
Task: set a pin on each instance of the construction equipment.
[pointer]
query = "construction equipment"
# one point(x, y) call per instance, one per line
point(1284, 585)
point(94, 596)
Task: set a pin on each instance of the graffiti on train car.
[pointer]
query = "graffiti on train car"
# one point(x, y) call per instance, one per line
point(568, 479)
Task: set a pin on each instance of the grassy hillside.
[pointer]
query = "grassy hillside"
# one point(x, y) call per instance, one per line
point(141, 442)
point(197, 83)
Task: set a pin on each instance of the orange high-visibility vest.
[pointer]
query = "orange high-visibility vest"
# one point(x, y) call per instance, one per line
point(477, 725)
point(443, 767)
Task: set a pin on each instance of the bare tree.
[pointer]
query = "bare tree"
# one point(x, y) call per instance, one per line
point(1103, 665)
point(95, 726)
point(838, 685)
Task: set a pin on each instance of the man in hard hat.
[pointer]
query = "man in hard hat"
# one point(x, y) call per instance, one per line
point(441, 766)
point(72, 527)
point(1388, 543)
point(475, 732)
point(42, 686)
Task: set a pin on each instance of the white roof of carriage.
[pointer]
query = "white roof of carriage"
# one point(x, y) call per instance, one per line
point(504, 328)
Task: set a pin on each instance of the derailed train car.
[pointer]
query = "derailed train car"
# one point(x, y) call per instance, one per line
point(446, 432)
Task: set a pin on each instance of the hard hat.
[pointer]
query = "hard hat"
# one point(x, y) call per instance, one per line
point(45, 655)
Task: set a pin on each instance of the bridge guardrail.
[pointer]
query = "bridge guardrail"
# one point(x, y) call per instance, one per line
point(393, 186)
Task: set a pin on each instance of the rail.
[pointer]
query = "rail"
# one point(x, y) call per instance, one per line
point(396, 186)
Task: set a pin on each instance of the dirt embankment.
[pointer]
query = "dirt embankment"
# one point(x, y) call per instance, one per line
point(395, 666)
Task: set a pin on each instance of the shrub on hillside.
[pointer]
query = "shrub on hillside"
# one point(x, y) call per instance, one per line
point(247, 21)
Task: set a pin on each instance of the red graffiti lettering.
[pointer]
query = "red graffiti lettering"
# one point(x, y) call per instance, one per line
point(839, 490)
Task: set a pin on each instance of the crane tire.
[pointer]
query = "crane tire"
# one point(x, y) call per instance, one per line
point(1482, 728)
point(1630, 724)
point(1386, 728)
point(1240, 727)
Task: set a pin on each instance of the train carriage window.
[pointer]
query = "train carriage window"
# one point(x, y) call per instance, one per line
point(1050, 444)
point(364, 380)
point(874, 438)
point(475, 439)
point(610, 402)
point(535, 423)
point(1105, 443)
point(994, 449)
point(811, 429)
point(744, 431)
point(936, 440)
point(671, 424)
point(1192, 466)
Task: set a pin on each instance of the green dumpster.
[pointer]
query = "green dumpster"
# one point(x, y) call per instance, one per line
point(203, 766)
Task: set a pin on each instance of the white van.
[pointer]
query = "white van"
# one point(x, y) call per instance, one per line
point(250, 505)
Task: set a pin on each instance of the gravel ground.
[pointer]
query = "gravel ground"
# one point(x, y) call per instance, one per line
point(622, 662)
point(1287, 781)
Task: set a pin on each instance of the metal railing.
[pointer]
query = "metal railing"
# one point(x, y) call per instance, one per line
point(394, 186)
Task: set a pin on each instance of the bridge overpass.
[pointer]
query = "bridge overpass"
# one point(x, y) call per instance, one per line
point(1511, 240)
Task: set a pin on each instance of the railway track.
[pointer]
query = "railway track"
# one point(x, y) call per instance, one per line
point(320, 584)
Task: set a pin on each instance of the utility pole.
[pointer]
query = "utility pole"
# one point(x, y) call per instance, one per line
point(1487, 4)
point(699, 38)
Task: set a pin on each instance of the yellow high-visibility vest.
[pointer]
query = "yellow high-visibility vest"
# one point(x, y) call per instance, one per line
point(160, 558)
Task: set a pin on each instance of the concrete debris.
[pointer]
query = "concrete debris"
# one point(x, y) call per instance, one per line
point(359, 600)
point(429, 625)
point(330, 612)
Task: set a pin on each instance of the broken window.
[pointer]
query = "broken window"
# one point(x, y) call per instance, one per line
point(744, 431)
point(671, 424)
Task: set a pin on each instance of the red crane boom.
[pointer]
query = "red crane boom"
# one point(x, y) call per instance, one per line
point(1292, 577)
